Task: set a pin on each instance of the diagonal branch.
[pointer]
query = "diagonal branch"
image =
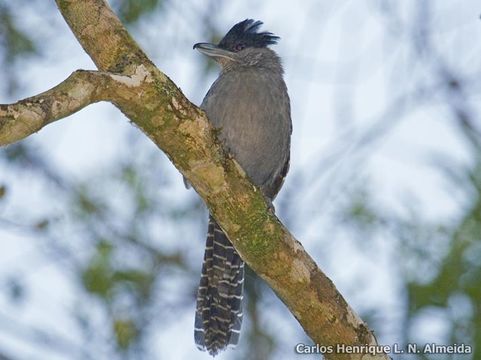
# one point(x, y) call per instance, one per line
point(155, 104)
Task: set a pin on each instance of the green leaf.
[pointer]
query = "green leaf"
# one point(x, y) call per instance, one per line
point(3, 191)
point(97, 278)
point(125, 332)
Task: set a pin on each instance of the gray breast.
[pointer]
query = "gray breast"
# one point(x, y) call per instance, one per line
point(251, 110)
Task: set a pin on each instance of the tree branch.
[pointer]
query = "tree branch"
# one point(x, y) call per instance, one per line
point(27, 116)
point(155, 104)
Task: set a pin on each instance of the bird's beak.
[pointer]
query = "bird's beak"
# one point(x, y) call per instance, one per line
point(213, 51)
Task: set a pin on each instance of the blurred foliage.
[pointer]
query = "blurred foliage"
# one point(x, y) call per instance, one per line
point(16, 290)
point(125, 333)
point(458, 274)
point(15, 44)
point(441, 264)
point(130, 11)
point(98, 276)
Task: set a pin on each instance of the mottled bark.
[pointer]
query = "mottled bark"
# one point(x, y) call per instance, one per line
point(80, 89)
point(129, 80)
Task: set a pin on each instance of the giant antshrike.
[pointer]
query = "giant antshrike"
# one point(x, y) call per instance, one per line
point(249, 106)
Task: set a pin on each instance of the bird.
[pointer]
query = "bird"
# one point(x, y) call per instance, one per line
point(248, 105)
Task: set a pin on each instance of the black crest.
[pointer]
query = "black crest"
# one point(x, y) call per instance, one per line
point(244, 35)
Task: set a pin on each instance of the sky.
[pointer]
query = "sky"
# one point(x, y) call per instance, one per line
point(340, 66)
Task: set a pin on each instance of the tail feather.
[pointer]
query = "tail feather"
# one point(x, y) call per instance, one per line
point(218, 316)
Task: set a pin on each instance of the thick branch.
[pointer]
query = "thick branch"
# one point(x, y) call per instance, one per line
point(181, 130)
point(101, 34)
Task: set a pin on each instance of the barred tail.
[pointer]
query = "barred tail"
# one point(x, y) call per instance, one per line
point(218, 316)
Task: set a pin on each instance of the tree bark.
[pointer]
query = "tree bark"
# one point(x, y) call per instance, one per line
point(129, 80)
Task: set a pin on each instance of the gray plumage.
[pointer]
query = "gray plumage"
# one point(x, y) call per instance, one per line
point(249, 106)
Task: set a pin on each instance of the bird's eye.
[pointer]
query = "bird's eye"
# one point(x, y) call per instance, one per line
point(239, 47)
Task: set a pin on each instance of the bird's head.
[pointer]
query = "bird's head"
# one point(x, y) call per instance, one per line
point(241, 45)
